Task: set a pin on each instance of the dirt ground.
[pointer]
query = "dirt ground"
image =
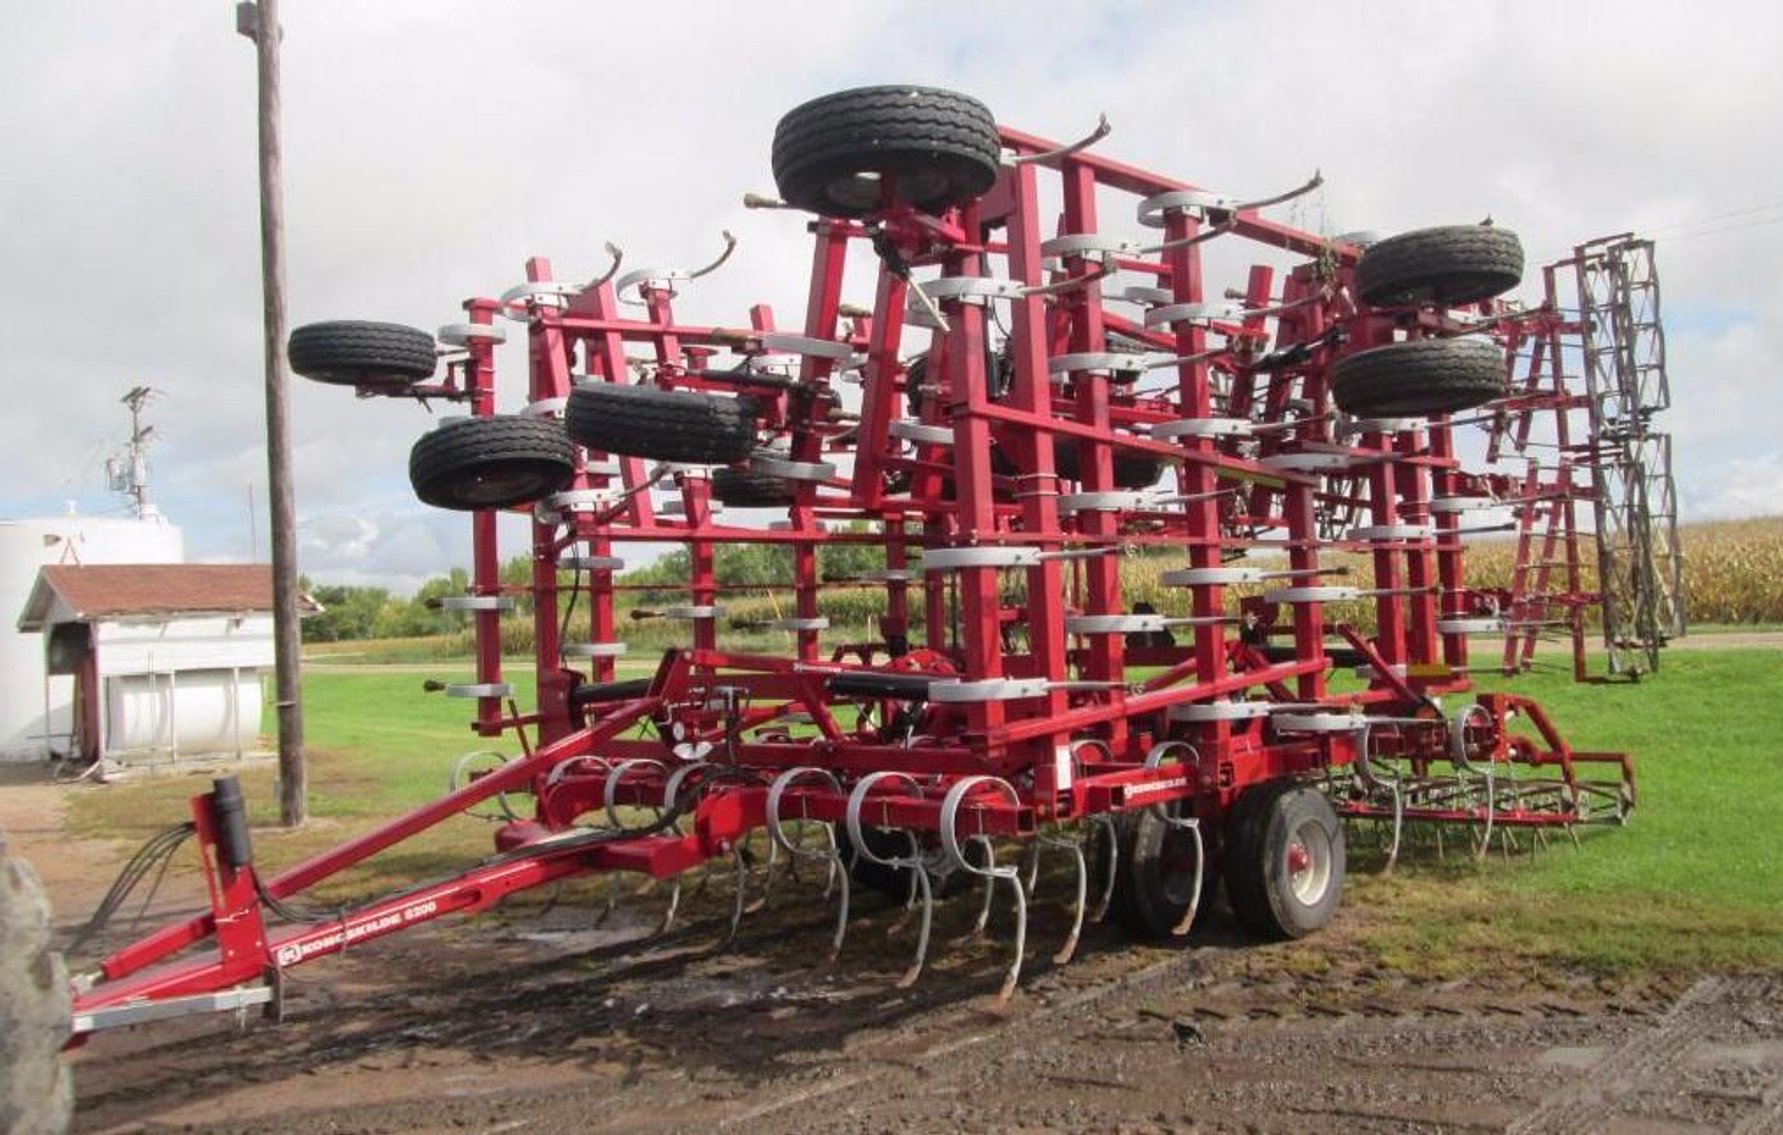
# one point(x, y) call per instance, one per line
point(537, 1020)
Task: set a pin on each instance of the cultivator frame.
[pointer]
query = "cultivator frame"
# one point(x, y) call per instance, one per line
point(997, 455)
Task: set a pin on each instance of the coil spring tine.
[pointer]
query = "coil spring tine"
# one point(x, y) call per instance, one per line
point(950, 845)
point(1114, 856)
point(990, 889)
point(767, 881)
point(1031, 865)
point(830, 854)
point(1069, 949)
point(668, 915)
point(918, 873)
point(915, 867)
point(1193, 827)
point(1491, 812)
point(1398, 828)
point(740, 907)
point(922, 935)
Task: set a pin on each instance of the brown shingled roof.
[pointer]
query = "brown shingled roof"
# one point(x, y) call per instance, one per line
point(113, 591)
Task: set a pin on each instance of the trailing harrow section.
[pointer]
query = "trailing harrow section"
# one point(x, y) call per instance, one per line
point(1044, 391)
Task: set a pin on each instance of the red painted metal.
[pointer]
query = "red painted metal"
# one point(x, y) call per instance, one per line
point(1080, 707)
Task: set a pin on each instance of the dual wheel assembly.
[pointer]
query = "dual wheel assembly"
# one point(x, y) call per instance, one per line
point(1282, 860)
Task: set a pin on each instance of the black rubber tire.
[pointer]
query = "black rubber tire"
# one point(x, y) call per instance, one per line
point(1263, 822)
point(491, 462)
point(742, 488)
point(1150, 898)
point(663, 425)
point(36, 1087)
point(351, 352)
point(1447, 266)
point(832, 154)
point(1419, 377)
point(1131, 470)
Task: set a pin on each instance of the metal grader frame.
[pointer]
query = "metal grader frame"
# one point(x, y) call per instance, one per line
point(970, 722)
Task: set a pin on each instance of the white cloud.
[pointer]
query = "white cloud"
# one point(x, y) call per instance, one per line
point(431, 147)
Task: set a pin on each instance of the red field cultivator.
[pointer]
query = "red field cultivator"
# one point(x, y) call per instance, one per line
point(1052, 394)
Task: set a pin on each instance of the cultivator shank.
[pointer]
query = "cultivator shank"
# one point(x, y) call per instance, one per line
point(1174, 559)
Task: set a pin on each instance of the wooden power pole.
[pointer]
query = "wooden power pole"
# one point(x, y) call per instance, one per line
point(259, 21)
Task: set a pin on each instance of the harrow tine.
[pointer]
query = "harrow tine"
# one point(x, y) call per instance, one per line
point(1189, 758)
point(919, 876)
point(1031, 867)
point(740, 907)
point(612, 903)
point(1113, 837)
point(915, 867)
point(830, 854)
point(668, 915)
point(1398, 829)
point(767, 882)
point(922, 935)
point(1075, 847)
point(990, 887)
point(950, 844)
point(1193, 827)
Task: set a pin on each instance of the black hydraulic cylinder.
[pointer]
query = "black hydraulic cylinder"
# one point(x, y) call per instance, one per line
point(230, 812)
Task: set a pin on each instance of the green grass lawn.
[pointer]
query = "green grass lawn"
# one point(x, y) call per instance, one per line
point(1695, 881)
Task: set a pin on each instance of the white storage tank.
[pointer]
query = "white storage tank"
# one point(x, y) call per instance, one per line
point(35, 714)
point(186, 711)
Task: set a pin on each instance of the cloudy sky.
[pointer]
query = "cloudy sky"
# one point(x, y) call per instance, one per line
point(431, 146)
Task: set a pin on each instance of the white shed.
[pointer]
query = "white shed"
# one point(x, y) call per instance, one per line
point(35, 711)
point(166, 658)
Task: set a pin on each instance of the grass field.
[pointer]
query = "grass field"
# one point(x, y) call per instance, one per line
point(1694, 883)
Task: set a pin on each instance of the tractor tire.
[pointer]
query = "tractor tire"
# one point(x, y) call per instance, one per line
point(494, 462)
point(836, 155)
point(349, 352)
point(36, 1087)
point(999, 369)
point(1131, 470)
point(663, 425)
point(1419, 377)
point(1285, 859)
point(1152, 884)
point(1448, 266)
point(741, 488)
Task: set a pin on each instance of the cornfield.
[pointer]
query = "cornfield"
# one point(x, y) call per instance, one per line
point(1733, 575)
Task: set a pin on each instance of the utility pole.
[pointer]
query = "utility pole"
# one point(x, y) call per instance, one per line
point(259, 21)
point(128, 472)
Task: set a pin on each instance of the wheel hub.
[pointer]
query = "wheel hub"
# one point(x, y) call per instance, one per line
point(1308, 860)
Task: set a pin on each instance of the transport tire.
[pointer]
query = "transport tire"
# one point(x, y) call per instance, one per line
point(742, 488)
point(1131, 470)
point(663, 425)
point(1285, 860)
point(1419, 377)
point(1447, 266)
point(1154, 881)
point(349, 352)
point(36, 1087)
point(491, 462)
point(894, 882)
point(834, 155)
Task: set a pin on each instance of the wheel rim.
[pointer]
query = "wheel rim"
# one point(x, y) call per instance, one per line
point(863, 190)
point(499, 489)
point(1307, 861)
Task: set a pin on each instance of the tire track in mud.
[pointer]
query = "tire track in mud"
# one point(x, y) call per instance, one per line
point(1651, 1061)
